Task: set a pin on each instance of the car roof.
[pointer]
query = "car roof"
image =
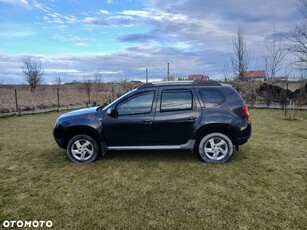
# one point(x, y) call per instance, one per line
point(180, 83)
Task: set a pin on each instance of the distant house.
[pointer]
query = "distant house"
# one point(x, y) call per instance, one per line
point(199, 77)
point(257, 75)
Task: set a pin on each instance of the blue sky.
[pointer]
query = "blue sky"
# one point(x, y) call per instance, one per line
point(121, 38)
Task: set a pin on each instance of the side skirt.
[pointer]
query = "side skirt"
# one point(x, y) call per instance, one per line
point(189, 145)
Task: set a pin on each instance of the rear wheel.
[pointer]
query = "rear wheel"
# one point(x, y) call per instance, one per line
point(82, 149)
point(215, 148)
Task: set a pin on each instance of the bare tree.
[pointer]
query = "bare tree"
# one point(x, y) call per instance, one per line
point(274, 61)
point(268, 98)
point(240, 59)
point(32, 69)
point(298, 39)
point(97, 78)
point(124, 83)
point(88, 84)
point(98, 82)
point(282, 97)
point(58, 81)
point(251, 93)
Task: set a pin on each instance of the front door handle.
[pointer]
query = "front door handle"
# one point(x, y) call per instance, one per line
point(192, 118)
point(147, 122)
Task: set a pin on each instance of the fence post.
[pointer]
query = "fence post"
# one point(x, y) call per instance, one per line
point(16, 101)
point(290, 110)
point(58, 96)
point(293, 110)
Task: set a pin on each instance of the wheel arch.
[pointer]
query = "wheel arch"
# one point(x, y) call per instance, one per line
point(79, 130)
point(219, 128)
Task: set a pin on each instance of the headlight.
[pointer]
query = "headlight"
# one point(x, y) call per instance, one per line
point(56, 122)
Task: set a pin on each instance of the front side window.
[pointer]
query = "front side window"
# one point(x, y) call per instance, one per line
point(211, 97)
point(141, 103)
point(174, 100)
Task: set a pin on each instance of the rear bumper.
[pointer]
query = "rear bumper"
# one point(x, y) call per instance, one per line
point(242, 140)
point(245, 134)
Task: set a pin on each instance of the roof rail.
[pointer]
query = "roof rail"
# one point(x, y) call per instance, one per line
point(176, 83)
point(207, 83)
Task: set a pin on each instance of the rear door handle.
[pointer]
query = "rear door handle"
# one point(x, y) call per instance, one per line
point(147, 122)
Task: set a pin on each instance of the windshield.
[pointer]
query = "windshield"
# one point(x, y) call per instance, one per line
point(112, 103)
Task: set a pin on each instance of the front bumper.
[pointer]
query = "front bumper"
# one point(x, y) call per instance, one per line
point(59, 137)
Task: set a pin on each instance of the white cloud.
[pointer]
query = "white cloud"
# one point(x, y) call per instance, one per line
point(156, 15)
point(62, 71)
point(80, 44)
point(116, 21)
point(60, 18)
point(40, 6)
point(16, 2)
point(28, 4)
point(104, 12)
point(16, 34)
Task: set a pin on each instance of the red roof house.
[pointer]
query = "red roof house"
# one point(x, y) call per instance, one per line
point(199, 77)
point(258, 75)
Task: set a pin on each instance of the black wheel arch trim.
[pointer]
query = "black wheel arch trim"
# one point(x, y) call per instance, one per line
point(82, 129)
point(220, 127)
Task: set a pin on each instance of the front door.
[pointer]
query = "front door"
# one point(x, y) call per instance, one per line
point(132, 126)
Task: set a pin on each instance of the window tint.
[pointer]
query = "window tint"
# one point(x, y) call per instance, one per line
point(141, 103)
point(176, 100)
point(211, 97)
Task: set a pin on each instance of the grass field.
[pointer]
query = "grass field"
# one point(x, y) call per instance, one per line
point(263, 186)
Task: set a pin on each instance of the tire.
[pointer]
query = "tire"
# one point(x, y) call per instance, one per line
point(82, 149)
point(215, 148)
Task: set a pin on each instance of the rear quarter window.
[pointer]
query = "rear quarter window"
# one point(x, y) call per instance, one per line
point(211, 97)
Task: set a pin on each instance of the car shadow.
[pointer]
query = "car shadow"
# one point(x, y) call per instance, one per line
point(59, 155)
point(151, 155)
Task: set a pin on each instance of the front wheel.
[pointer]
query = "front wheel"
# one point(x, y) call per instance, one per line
point(215, 148)
point(82, 149)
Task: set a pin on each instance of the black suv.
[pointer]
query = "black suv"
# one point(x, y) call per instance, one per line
point(205, 116)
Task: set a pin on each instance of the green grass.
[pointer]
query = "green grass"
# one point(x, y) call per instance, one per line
point(263, 186)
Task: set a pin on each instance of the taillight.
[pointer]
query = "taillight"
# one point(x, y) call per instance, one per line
point(246, 111)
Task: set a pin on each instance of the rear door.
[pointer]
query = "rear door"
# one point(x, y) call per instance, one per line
point(177, 114)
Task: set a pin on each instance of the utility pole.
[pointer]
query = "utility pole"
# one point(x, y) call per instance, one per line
point(168, 71)
point(146, 75)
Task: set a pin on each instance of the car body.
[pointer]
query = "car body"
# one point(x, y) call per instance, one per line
point(205, 116)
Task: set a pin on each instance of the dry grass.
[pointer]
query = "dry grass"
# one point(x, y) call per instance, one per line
point(262, 187)
point(46, 96)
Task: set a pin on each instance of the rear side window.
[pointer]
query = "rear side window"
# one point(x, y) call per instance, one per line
point(211, 97)
point(174, 100)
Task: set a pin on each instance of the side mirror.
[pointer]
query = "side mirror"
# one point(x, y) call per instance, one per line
point(112, 112)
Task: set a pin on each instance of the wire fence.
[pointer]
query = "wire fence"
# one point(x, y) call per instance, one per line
point(21, 100)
